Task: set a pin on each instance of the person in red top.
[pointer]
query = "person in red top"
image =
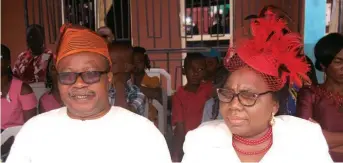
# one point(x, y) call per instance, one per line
point(31, 65)
point(324, 103)
point(189, 101)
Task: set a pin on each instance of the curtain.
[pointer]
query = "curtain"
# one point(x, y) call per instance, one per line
point(340, 17)
point(336, 22)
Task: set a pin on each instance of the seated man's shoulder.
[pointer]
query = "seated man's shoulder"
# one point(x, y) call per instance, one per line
point(129, 118)
point(44, 118)
point(132, 124)
point(41, 122)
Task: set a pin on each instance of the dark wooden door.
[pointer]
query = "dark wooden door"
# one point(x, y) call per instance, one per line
point(243, 8)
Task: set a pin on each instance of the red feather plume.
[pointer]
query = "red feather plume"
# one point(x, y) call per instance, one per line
point(285, 47)
point(273, 48)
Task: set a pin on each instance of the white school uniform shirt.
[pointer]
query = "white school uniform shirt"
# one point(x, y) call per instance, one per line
point(207, 114)
point(119, 136)
point(295, 140)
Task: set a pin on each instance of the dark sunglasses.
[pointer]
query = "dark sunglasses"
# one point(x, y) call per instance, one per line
point(88, 77)
point(245, 98)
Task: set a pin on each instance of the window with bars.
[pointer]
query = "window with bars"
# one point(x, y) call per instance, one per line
point(80, 12)
point(207, 20)
point(118, 19)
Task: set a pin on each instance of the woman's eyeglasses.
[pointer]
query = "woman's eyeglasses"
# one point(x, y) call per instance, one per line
point(245, 98)
point(89, 77)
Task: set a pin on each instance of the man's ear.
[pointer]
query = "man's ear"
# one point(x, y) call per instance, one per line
point(110, 77)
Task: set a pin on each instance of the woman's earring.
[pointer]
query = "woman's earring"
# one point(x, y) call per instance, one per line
point(272, 120)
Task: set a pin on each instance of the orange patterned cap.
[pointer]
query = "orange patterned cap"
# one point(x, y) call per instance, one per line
point(75, 39)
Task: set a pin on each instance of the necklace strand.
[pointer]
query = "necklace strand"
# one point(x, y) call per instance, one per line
point(267, 136)
point(254, 142)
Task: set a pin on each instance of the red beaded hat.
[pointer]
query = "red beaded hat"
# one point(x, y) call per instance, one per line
point(272, 53)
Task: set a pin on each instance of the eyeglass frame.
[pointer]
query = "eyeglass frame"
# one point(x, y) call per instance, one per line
point(256, 96)
point(79, 74)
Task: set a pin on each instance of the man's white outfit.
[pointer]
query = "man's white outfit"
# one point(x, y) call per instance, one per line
point(119, 136)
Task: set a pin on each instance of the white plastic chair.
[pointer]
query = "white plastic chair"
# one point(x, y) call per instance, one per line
point(158, 72)
point(161, 108)
point(39, 89)
point(8, 132)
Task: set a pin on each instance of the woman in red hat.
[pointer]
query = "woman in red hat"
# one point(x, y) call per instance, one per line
point(252, 102)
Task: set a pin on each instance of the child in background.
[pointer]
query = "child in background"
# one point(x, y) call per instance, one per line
point(51, 99)
point(150, 86)
point(18, 102)
point(189, 101)
point(123, 85)
point(122, 92)
point(212, 64)
point(216, 73)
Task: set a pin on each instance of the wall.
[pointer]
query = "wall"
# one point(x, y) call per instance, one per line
point(314, 27)
point(151, 29)
point(243, 8)
point(164, 34)
point(167, 33)
point(13, 24)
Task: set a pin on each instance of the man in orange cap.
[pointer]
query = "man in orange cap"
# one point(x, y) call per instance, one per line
point(87, 129)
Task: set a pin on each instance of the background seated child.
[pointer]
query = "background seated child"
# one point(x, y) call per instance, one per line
point(189, 101)
point(51, 99)
point(150, 86)
point(217, 74)
point(122, 92)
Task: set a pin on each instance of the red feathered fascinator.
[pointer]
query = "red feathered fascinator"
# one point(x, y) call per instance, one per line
point(273, 53)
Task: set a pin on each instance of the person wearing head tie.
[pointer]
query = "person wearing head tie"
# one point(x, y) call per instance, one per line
point(275, 14)
point(88, 129)
point(252, 103)
point(31, 65)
